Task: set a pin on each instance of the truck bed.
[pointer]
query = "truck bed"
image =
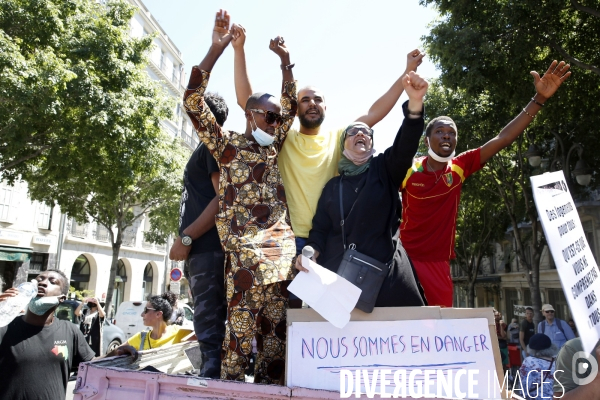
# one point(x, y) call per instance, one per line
point(120, 378)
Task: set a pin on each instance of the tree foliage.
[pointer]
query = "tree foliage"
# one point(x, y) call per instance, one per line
point(491, 45)
point(70, 85)
point(80, 119)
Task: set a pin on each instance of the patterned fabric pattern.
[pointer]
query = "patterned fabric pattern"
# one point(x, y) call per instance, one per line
point(258, 313)
point(532, 372)
point(253, 220)
point(254, 227)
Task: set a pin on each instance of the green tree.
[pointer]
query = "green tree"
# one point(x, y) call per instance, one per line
point(135, 182)
point(80, 118)
point(484, 51)
point(480, 223)
point(69, 73)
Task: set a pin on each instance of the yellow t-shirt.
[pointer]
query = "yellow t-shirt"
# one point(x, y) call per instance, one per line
point(170, 337)
point(307, 163)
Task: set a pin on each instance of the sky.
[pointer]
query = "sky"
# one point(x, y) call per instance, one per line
point(353, 50)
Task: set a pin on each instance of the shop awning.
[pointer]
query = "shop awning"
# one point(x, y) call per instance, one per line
point(20, 254)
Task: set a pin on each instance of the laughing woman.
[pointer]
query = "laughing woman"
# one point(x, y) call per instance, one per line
point(370, 202)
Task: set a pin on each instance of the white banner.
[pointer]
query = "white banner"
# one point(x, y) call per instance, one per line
point(442, 357)
point(574, 261)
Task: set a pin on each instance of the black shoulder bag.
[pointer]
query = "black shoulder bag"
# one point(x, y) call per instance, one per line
point(361, 270)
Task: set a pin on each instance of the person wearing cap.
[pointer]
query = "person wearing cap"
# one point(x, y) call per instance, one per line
point(432, 185)
point(556, 329)
point(367, 188)
point(537, 370)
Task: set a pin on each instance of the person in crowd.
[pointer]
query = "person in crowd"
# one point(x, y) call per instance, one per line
point(38, 350)
point(367, 185)
point(513, 331)
point(178, 314)
point(253, 219)
point(556, 329)
point(526, 331)
point(566, 387)
point(309, 158)
point(92, 321)
point(156, 314)
point(199, 246)
point(573, 326)
point(431, 188)
point(537, 370)
point(502, 336)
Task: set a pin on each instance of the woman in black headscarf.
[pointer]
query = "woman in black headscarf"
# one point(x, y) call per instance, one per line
point(371, 202)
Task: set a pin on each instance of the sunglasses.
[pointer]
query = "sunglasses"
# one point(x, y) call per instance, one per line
point(146, 309)
point(270, 116)
point(550, 312)
point(356, 129)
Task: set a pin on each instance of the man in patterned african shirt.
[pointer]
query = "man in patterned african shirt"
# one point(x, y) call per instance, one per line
point(253, 221)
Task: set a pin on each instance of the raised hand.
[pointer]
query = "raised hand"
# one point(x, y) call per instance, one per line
point(548, 84)
point(221, 34)
point(278, 47)
point(239, 36)
point(413, 60)
point(415, 86)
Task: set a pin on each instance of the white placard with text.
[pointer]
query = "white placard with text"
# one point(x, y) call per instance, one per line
point(319, 354)
point(574, 261)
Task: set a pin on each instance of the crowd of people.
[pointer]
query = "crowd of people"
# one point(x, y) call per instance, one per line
point(254, 198)
point(267, 191)
point(547, 356)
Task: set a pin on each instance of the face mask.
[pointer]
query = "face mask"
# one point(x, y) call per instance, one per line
point(437, 158)
point(91, 305)
point(41, 305)
point(261, 137)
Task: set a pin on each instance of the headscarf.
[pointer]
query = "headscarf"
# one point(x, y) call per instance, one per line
point(351, 163)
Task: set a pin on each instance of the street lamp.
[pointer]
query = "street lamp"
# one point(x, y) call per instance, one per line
point(581, 173)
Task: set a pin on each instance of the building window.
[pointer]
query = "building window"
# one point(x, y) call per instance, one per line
point(45, 216)
point(119, 285)
point(162, 60)
point(148, 277)
point(80, 274)
point(37, 263)
point(6, 195)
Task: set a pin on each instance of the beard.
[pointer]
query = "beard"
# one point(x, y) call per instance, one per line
point(311, 124)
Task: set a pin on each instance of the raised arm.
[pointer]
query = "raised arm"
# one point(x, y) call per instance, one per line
point(385, 103)
point(289, 97)
point(398, 158)
point(203, 119)
point(545, 87)
point(243, 88)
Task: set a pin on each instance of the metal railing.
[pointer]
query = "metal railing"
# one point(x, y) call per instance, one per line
point(78, 230)
point(101, 234)
point(128, 238)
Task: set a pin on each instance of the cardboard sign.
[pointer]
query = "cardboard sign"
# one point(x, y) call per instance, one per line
point(175, 287)
point(321, 356)
point(519, 310)
point(574, 261)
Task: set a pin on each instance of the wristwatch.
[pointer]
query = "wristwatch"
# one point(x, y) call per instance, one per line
point(186, 240)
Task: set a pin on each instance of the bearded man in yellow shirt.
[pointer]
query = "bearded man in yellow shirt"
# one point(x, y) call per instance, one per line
point(309, 158)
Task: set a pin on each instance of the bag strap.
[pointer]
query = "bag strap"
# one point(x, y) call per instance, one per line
point(360, 186)
point(547, 373)
point(142, 339)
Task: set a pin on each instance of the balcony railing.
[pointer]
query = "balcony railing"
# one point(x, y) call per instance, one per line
point(78, 230)
point(101, 234)
point(128, 238)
